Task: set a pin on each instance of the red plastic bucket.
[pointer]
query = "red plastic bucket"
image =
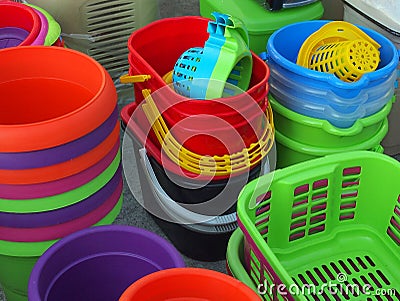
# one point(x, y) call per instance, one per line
point(207, 134)
point(18, 15)
point(154, 50)
point(188, 284)
point(135, 121)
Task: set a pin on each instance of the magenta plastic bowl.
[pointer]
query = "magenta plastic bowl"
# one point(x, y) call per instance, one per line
point(44, 29)
point(45, 189)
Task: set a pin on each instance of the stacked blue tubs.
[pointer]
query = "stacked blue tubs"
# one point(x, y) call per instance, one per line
point(323, 96)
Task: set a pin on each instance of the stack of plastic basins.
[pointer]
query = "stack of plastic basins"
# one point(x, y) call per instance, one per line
point(22, 25)
point(316, 113)
point(258, 19)
point(59, 154)
point(154, 49)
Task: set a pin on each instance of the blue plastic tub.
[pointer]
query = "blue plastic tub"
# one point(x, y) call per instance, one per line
point(315, 91)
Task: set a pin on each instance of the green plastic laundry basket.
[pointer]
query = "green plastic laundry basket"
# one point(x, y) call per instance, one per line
point(332, 222)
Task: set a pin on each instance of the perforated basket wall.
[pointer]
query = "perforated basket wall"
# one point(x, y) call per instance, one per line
point(330, 222)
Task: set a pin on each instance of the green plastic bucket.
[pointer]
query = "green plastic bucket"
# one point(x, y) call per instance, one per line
point(18, 258)
point(290, 152)
point(320, 132)
point(259, 21)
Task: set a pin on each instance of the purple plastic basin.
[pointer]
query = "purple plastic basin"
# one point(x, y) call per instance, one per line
point(99, 264)
point(63, 215)
point(12, 36)
point(61, 153)
point(41, 190)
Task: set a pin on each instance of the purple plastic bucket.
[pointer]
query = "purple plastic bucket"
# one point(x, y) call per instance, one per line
point(61, 153)
point(99, 264)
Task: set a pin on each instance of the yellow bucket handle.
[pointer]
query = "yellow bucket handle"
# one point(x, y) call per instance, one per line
point(207, 165)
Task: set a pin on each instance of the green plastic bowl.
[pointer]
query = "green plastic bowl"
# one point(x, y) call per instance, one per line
point(17, 260)
point(63, 199)
point(321, 133)
point(290, 152)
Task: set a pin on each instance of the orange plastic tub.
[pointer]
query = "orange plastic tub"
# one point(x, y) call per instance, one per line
point(50, 96)
point(188, 284)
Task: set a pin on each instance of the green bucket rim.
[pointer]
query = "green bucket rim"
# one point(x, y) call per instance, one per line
point(34, 249)
point(325, 125)
point(321, 151)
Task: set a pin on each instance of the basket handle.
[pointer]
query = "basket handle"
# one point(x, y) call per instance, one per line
point(207, 165)
point(131, 79)
point(180, 213)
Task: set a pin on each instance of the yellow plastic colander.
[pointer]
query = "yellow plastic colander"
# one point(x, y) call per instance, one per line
point(340, 48)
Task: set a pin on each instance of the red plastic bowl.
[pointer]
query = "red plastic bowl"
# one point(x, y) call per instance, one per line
point(51, 96)
point(13, 14)
point(188, 284)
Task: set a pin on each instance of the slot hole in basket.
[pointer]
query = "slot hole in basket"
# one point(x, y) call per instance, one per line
point(344, 292)
point(345, 267)
point(319, 196)
point(301, 190)
point(352, 171)
point(353, 291)
point(353, 265)
point(335, 268)
point(320, 275)
point(297, 224)
point(317, 229)
point(370, 261)
point(297, 235)
point(318, 208)
point(299, 213)
point(312, 278)
point(320, 184)
point(375, 280)
point(383, 277)
point(361, 263)
point(328, 272)
point(300, 202)
point(317, 219)
point(263, 197)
